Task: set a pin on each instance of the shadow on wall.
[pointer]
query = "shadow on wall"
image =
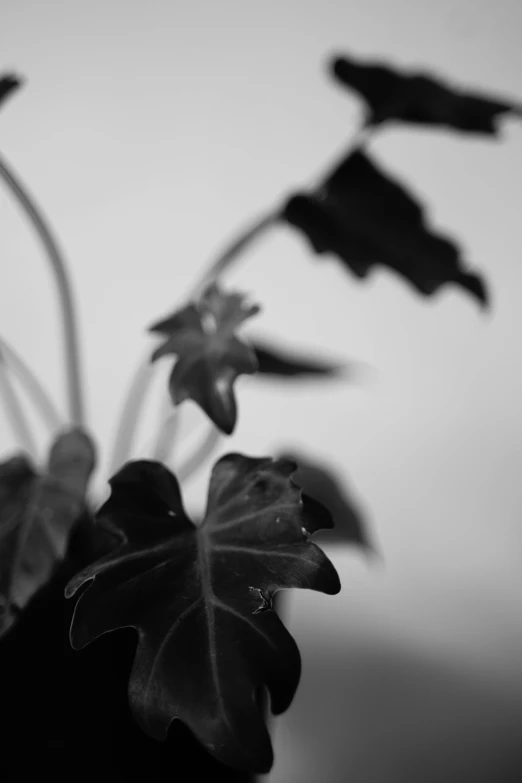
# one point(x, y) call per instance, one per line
point(368, 714)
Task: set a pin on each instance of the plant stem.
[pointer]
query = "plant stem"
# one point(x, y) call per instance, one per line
point(72, 358)
point(234, 250)
point(33, 386)
point(200, 454)
point(138, 385)
point(15, 413)
point(130, 415)
point(169, 426)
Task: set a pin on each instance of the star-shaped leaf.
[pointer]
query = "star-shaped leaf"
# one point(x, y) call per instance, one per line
point(37, 513)
point(209, 355)
point(364, 217)
point(200, 598)
point(419, 98)
point(8, 84)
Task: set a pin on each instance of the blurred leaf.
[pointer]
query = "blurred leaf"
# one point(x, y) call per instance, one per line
point(210, 356)
point(37, 513)
point(419, 98)
point(365, 218)
point(199, 597)
point(8, 84)
point(273, 361)
point(323, 485)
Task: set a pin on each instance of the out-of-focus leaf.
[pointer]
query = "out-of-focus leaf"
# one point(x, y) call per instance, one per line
point(324, 485)
point(274, 361)
point(209, 355)
point(420, 98)
point(8, 84)
point(37, 513)
point(199, 597)
point(365, 218)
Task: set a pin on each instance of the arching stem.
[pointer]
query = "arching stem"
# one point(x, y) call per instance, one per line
point(70, 336)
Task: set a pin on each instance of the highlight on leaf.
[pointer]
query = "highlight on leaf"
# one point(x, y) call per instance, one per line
point(420, 98)
point(366, 218)
point(37, 514)
point(209, 355)
point(8, 84)
point(282, 364)
point(200, 598)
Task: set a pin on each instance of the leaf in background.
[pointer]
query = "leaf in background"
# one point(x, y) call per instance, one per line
point(37, 513)
point(419, 98)
point(199, 598)
point(323, 485)
point(8, 84)
point(210, 356)
point(365, 218)
point(273, 361)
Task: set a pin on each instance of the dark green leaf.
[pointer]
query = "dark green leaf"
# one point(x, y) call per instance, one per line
point(273, 361)
point(322, 484)
point(209, 355)
point(200, 598)
point(366, 219)
point(8, 84)
point(37, 513)
point(420, 98)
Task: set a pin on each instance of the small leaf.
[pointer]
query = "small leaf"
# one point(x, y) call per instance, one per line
point(323, 485)
point(200, 598)
point(37, 513)
point(365, 218)
point(8, 84)
point(273, 361)
point(420, 98)
point(209, 355)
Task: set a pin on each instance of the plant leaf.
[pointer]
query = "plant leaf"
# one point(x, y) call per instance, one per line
point(209, 355)
point(37, 513)
point(365, 218)
point(8, 84)
point(273, 361)
point(420, 98)
point(199, 597)
point(326, 487)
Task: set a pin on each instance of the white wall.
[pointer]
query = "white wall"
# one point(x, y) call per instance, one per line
point(150, 132)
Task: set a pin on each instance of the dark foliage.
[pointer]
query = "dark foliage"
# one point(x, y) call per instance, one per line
point(323, 484)
point(419, 98)
point(8, 84)
point(209, 355)
point(280, 363)
point(200, 598)
point(37, 513)
point(365, 218)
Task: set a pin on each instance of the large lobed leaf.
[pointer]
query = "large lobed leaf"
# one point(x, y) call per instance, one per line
point(37, 513)
point(200, 598)
point(419, 98)
point(365, 218)
point(209, 355)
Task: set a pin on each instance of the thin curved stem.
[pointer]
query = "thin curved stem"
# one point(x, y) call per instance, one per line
point(34, 388)
point(14, 412)
point(198, 457)
point(130, 415)
point(72, 357)
point(169, 426)
point(234, 250)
